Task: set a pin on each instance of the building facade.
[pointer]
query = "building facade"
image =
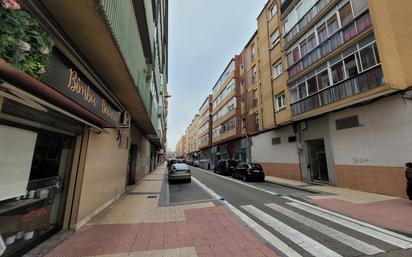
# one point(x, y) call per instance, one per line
point(85, 119)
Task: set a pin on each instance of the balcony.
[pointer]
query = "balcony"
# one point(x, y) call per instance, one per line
point(363, 82)
point(307, 18)
point(343, 35)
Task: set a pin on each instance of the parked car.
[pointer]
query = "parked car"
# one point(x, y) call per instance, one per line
point(249, 171)
point(196, 163)
point(170, 162)
point(179, 172)
point(225, 167)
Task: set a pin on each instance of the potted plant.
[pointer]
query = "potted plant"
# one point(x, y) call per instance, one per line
point(23, 42)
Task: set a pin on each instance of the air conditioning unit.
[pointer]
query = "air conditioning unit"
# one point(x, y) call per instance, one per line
point(124, 120)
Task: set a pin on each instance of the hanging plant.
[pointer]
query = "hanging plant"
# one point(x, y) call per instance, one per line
point(148, 71)
point(23, 43)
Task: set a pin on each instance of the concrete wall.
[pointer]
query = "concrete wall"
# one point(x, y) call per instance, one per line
point(279, 160)
point(372, 157)
point(105, 172)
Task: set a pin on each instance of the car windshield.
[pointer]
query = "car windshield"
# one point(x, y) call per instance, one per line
point(256, 166)
point(180, 166)
point(232, 163)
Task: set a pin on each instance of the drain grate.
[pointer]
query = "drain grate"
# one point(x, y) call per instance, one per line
point(152, 196)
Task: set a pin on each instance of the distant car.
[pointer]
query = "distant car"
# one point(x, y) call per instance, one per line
point(196, 163)
point(225, 167)
point(170, 162)
point(249, 171)
point(179, 172)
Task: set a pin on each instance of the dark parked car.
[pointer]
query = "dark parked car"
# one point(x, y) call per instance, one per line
point(249, 171)
point(225, 167)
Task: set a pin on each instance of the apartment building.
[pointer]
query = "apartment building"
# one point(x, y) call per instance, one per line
point(346, 66)
point(86, 122)
point(181, 147)
point(204, 136)
point(191, 135)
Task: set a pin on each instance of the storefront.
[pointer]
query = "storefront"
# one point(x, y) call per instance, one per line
point(42, 124)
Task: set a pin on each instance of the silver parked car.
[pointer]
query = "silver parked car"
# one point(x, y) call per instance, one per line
point(179, 172)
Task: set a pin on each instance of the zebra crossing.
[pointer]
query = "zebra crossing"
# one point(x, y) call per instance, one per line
point(299, 213)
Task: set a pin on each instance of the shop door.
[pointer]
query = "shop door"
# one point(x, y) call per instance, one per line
point(132, 162)
point(317, 160)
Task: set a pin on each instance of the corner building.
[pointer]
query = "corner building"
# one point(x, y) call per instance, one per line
point(348, 98)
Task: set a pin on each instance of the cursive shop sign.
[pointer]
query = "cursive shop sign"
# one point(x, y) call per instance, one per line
point(71, 83)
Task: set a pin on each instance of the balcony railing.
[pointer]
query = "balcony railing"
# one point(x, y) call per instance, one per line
point(308, 17)
point(337, 39)
point(363, 82)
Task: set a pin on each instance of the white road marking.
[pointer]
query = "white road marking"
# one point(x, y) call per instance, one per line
point(354, 225)
point(305, 242)
point(238, 181)
point(261, 231)
point(333, 233)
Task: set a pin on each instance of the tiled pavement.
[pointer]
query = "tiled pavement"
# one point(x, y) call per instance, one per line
point(382, 210)
point(136, 226)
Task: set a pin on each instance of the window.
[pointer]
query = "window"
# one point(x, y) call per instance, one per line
point(253, 52)
point(332, 25)
point(272, 11)
point(296, 54)
point(255, 98)
point(280, 102)
point(277, 69)
point(254, 74)
point(312, 87)
point(323, 79)
point(337, 72)
point(350, 66)
point(349, 122)
point(311, 42)
point(345, 14)
point(276, 141)
point(275, 38)
point(243, 123)
point(367, 57)
point(322, 33)
point(304, 48)
point(294, 95)
point(290, 59)
point(359, 6)
point(302, 90)
point(292, 139)
point(257, 121)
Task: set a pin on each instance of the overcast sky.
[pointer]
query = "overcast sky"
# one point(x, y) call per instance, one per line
point(203, 36)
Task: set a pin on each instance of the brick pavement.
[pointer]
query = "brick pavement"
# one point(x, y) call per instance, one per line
point(136, 226)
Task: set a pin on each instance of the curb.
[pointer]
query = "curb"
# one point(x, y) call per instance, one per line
point(295, 187)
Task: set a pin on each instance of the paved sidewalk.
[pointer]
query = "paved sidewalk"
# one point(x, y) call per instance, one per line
point(136, 226)
point(382, 210)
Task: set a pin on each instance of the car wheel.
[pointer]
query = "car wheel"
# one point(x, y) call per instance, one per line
point(244, 178)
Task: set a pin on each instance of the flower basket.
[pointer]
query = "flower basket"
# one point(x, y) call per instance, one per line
point(23, 42)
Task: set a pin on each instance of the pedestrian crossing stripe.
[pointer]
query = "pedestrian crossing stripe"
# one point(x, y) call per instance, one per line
point(390, 239)
point(328, 231)
point(308, 244)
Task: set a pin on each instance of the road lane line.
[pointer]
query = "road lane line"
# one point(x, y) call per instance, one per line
point(238, 181)
point(313, 247)
point(328, 231)
point(274, 241)
point(357, 227)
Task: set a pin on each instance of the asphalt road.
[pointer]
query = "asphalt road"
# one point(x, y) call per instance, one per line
point(291, 227)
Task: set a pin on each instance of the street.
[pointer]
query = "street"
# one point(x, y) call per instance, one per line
point(295, 227)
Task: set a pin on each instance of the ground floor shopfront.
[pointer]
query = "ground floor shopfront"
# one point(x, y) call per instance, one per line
point(61, 160)
point(363, 147)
